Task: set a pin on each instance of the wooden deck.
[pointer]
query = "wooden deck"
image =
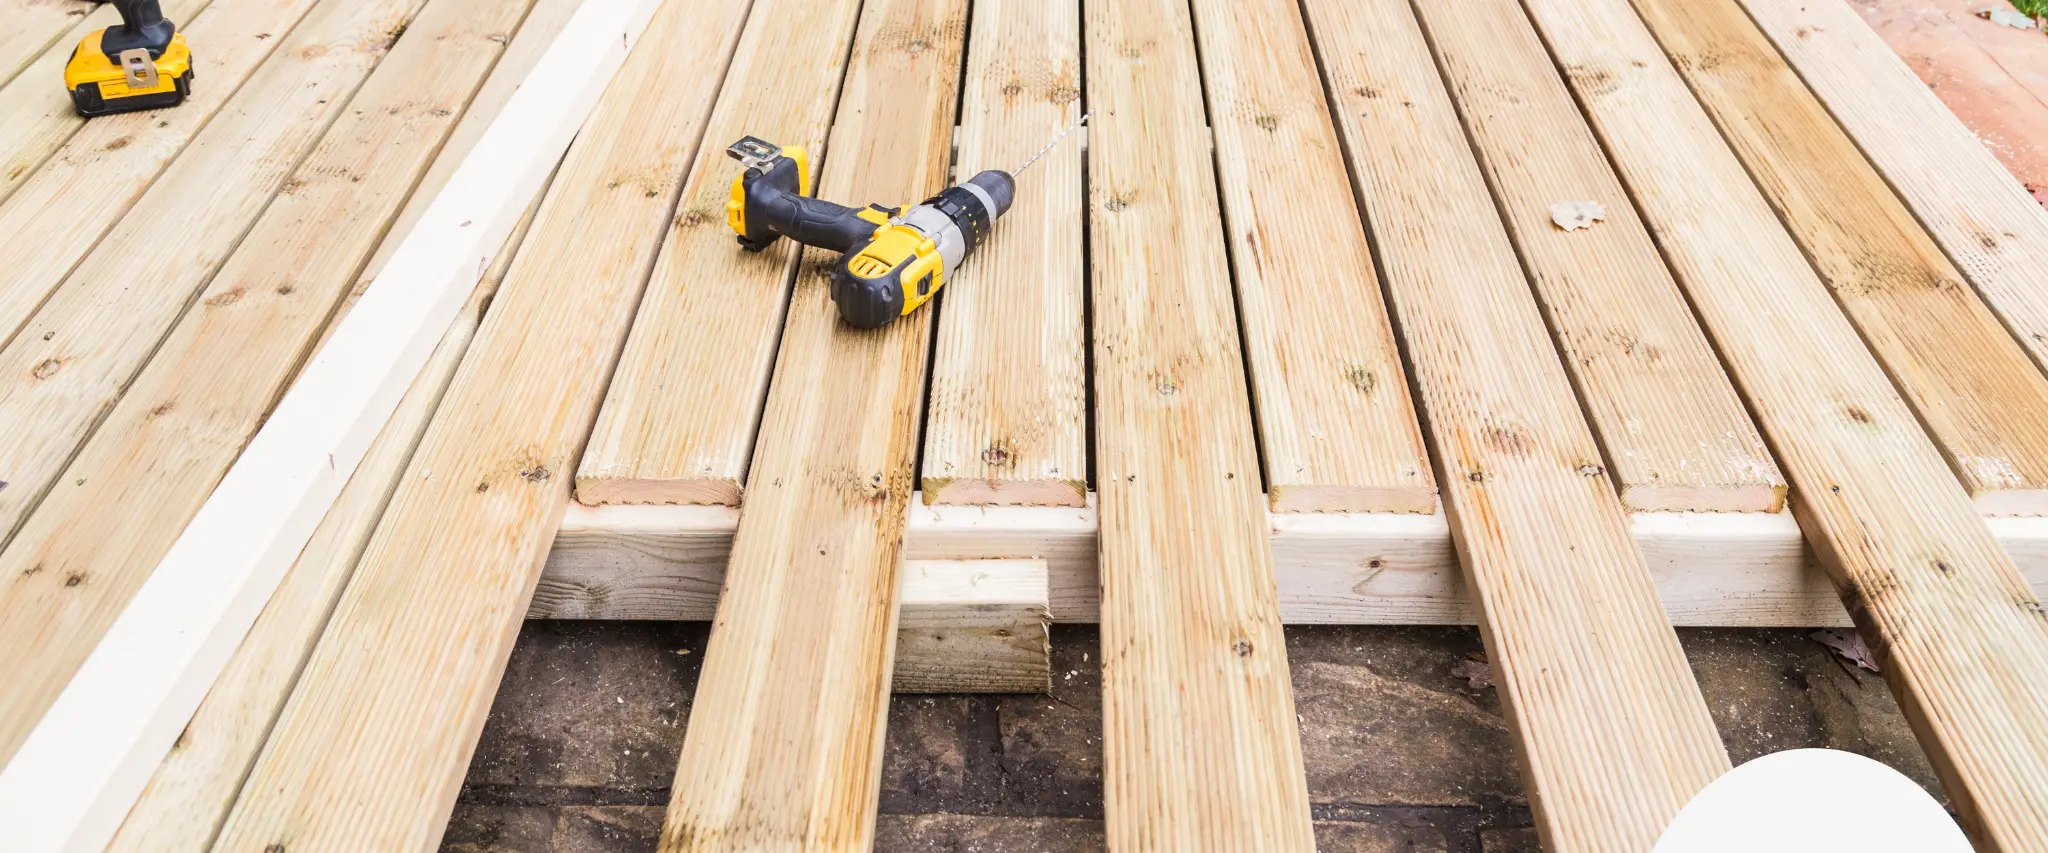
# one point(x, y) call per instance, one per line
point(1288, 335)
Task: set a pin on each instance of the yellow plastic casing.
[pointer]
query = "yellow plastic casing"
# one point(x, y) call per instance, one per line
point(891, 247)
point(90, 65)
point(736, 198)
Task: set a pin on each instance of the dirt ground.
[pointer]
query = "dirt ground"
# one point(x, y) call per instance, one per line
point(1402, 754)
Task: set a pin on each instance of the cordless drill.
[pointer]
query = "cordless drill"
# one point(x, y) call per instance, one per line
point(138, 64)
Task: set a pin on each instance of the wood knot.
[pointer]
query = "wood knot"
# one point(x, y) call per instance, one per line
point(1243, 648)
point(534, 473)
point(1857, 414)
point(998, 455)
point(1591, 470)
point(161, 410)
point(74, 579)
point(1362, 379)
point(46, 368)
point(226, 297)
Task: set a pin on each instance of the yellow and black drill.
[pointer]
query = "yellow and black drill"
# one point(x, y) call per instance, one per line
point(895, 258)
point(138, 64)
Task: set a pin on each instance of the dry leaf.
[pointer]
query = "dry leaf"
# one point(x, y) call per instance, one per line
point(1848, 645)
point(1477, 673)
point(1574, 215)
point(2006, 17)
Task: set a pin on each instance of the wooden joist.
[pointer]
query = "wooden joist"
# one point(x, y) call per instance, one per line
point(301, 73)
point(34, 25)
point(678, 420)
point(1979, 395)
point(1614, 736)
point(973, 626)
point(1009, 377)
point(784, 748)
point(1964, 640)
point(369, 752)
point(1200, 745)
point(86, 548)
point(1335, 420)
point(1672, 428)
point(37, 116)
point(191, 790)
point(1990, 226)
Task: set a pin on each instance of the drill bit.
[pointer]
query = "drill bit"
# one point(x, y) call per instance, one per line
point(1055, 141)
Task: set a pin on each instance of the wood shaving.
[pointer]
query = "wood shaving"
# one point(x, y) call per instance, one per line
point(1574, 215)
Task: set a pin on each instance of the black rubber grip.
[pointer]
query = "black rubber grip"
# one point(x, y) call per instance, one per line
point(774, 209)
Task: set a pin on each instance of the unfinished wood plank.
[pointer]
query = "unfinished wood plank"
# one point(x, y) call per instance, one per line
point(37, 116)
point(678, 420)
point(54, 220)
point(189, 794)
point(409, 661)
point(784, 748)
point(1200, 747)
point(1009, 379)
point(1666, 416)
point(34, 25)
point(973, 626)
point(1335, 419)
point(67, 374)
point(1990, 226)
point(1979, 395)
point(1614, 736)
point(1965, 641)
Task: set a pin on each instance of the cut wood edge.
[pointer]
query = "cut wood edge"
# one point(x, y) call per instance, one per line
point(1688, 499)
point(606, 490)
point(974, 626)
point(76, 777)
point(982, 491)
point(1353, 499)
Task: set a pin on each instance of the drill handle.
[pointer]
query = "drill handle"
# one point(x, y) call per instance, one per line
point(142, 25)
point(774, 209)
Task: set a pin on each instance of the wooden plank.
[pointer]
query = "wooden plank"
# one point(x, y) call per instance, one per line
point(69, 572)
point(186, 799)
point(37, 116)
point(1335, 421)
point(60, 213)
point(1990, 226)
point(34, 25)
point(709, 319)
point(784, 748)
point(1009, 379)
point(1743, 569)
point(973, 626)
point(1993, 77)
point(1614, 736)
point(1973, 386)
point(1200, 748)
point(1964, 638)
point(404, 674)
point(1673, 430)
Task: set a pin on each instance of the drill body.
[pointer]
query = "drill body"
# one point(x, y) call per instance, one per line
point(140, 63)
point(893, 259)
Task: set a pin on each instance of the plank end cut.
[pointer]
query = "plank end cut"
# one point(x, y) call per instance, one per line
point(1723, 497)
point(1408, 500)
point(986, 491)
point(599, 489)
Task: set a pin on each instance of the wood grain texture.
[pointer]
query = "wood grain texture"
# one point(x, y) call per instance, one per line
point(34, 25)
point(784, 748)
point(1992, 77)
point(1335, 420)
point(1614, 736)
point(1200, 745)
point(75, 563)
point(1965, 639)
point(708, 323)
point(1674, 432)
point(369, 752)
point(973, 626)
point(191, 791)
point(1009, 379)
point(1979, 395)
point(36, 117)
point(1987, 222)
point(80, 198)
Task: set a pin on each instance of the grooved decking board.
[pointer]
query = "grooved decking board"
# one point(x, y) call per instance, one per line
point(81, 552)
point(185, 800)
point(1614, 736)
point(679, 417)
point(1975, 389)
point(784, 748)
point(1334, 415)
point(369, 752)
point(1009, 378)
point(80, 197)
point(1200, 745)
point(36, 113)
point(1674, 432)
point(1964, 641)
point(1986, 220)
point(34, 25)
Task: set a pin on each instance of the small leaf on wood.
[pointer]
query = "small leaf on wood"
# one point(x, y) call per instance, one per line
point(1848, 645)
point(1574, 215)
point(2008, 17)
point(1475, 672)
